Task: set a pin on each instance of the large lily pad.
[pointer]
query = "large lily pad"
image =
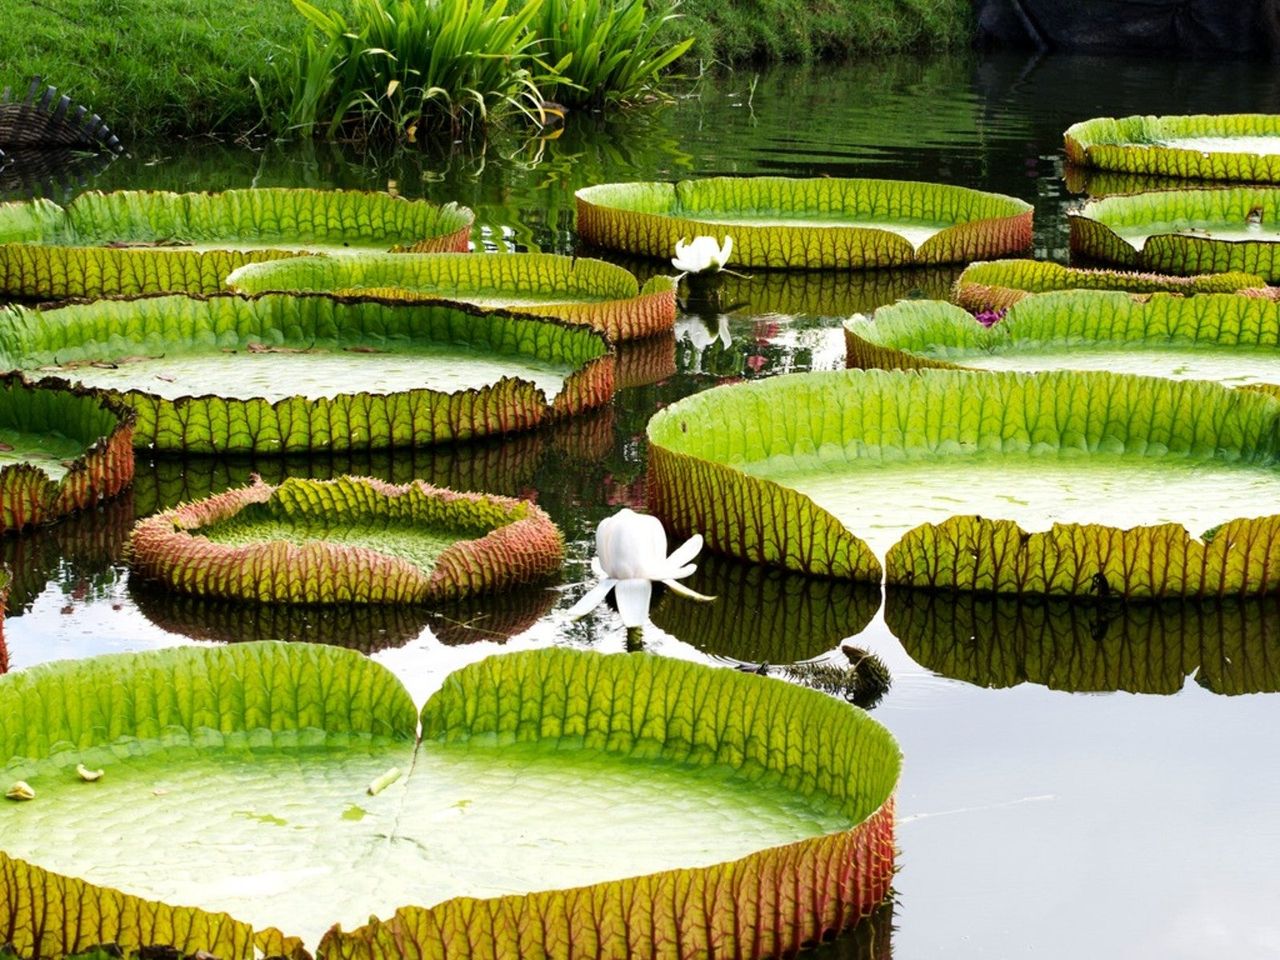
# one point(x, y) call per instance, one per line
point(1206, 147)
point(744, 815)
point(138, 242)
point(61, 450)
point(1231, 339)
point(601, 295)
point(1184, 231)
point(348, 540)
point(809, 224)
point(824, 472)
point(1227, 645)
point(281, 373)
point(999, 284)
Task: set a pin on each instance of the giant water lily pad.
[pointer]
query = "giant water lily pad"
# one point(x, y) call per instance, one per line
point(1206, 147)
point(598, 294)
point(61, 450)
point(825, 473)
point(138, 242)
point(1185, 231)
point(742, 815)
point(348, 540)
point(1224, 337)
point(281, 373)
point(1227, 645)
point(810, 224)
point(999, 284)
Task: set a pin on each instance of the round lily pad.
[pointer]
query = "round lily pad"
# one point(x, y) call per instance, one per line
point(296, 777)
point(1096, 478)
point(1205, 147)
point(348, 540)
point(808, 224)
point(1234, 229)
point(283, 374)
point(1232, 339)
point(130, 243)
point(999, 284)
point(61, 449)
point(592, 292)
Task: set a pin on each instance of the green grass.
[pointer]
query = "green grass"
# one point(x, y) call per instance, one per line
point(154, 67)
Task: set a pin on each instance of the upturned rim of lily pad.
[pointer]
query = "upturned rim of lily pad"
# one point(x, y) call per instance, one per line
point(28, 495)
point(298, 696)
point(501, 542)
point(650, 218)
point(138, 242)
point(1131, 145)
point(355, 420)
point(697, 482)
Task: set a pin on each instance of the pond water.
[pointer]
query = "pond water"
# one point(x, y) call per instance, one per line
point(1137, 819)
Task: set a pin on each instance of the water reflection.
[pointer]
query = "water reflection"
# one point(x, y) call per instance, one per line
point(1229, 646)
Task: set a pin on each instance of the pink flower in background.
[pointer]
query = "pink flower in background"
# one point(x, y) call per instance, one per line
point(989, 318)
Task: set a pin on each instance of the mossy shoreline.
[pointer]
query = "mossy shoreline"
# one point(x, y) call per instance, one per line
point(189, 67)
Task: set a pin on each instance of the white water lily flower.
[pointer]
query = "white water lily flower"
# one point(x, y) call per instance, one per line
point(631, 553)
point(695, 330)
point(701, 254)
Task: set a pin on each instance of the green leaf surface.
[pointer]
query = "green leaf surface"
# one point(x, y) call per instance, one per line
point(1184, 231)
point(809, 224)
point(1204, 147)
point(1232, 339)
point(601, 295)
point(130, 344)
point(779, 471)
point(999, 284)
point(130, 243)
point(1091, 647)
point(274, 745)
point(347, 540)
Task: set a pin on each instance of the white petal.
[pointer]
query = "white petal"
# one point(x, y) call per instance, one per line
point(675, 573)
point(726, 250)
point(684, 591)
point(686, 551)
point(633, 601)
point(598, 569)
point(591, 599)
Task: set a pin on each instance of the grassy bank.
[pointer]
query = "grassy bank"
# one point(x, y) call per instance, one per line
point(184, 66)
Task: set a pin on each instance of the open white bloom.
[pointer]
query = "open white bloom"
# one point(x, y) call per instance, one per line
point(701, 254)
point(631, 553)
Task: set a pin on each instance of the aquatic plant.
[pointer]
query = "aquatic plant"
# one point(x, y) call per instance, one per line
point(592, 292)
point(129, 243)
point(631, 554)
point(61, 450)
point(808, 224)
point(734, 464)
point(347, 540)
point(329, 740)
point(1226, 337)
point(999, 284)
point(702, 254)
point(1184, 231)
point(293, 373)
point(1205, 147)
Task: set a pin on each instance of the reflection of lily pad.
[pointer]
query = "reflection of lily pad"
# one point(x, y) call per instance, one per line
point(137, 242)
point(1000, 284)
point(348, 540)
point(1224, 337)
point(490, 619)
point(821, 472)
point(4, 608)
point(286, 374)
point(61, 450)
point(1207, 147)
point(599, 294)
point(1185, 231)
point(1229, 645)
point(809, 224)
point(832, 293)
point(765, 615)
point(712, 817)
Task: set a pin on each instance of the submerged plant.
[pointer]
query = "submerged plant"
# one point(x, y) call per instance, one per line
point(631, 553)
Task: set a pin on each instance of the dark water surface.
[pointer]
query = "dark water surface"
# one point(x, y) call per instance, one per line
point(1078, 782)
